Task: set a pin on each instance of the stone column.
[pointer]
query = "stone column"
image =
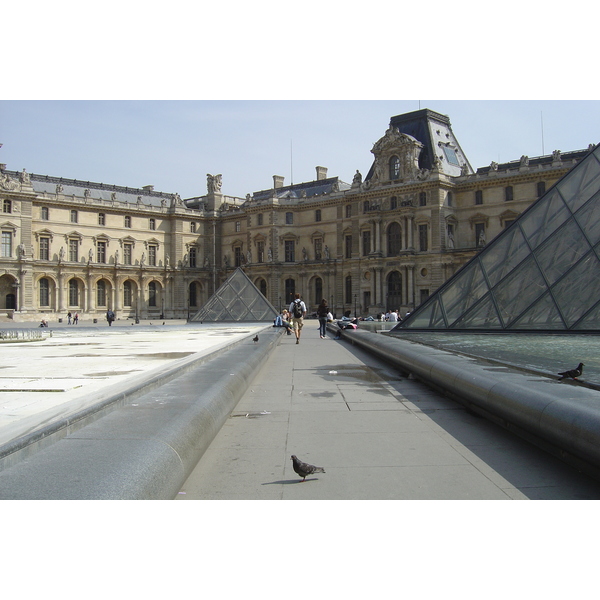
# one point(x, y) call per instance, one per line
point(61, 293)
point(411, 245)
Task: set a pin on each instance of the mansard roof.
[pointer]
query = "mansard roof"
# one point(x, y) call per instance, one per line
point(434, 131)
point(296, 191)
point(97, 191)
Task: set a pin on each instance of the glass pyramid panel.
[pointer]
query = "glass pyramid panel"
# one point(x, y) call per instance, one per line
point(587, 217)
point(590, 321)
point(504, 256)
point(561, 250)
point(578, 189)
point(542, 315)
point(522, 287)
point(468, 287)
point(431, 316)
point(579, 290)
point(542, 270)
point(482, 316)
point(238, 299)
point(544, 217)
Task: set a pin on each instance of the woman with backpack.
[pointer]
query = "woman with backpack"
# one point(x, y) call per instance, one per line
point(322, 312)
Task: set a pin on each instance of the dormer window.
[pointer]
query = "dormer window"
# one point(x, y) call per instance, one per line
point(394, 167)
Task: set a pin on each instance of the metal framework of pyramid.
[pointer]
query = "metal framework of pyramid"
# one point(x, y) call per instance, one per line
point(238, 299)
point(540, 274)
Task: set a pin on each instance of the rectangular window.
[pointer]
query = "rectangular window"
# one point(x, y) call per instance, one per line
point(424, 294)
point(541, 188)
point(128, 222)
point(260, 219)
point(44, 248)
point(348, 211)
point(423, 199)
point(73, 216)
point(73, 250)
point(478, 197)
point(289, 250)
point(366, 238)
point(193, 257)
point(7, 206)
point(238, 226)
point(101, 252)
point(237, 256)
point(7, 244)
point(152, 256)
point(101, 219)
point(127, 253)
point(508, 193)
point(192, 227)
point(45, 213)
point(317, 215)
point(318, 249)
point(348, 245)
point(152, 224)
point(423, 238)
point(260, 248)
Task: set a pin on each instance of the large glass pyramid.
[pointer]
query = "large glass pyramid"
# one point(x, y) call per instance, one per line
point(541, 273)
point(238, 299)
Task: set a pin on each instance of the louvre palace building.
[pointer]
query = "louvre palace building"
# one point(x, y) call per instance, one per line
point(385, 240)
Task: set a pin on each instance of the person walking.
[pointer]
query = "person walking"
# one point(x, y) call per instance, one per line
point(75, 318)
point(322, 312)
point(298, 312)
point(68, 318)
point(110, 317)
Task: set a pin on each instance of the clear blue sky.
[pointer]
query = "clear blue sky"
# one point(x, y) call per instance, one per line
point(174, 144)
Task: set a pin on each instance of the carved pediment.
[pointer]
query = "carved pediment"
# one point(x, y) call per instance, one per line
point(396, 157)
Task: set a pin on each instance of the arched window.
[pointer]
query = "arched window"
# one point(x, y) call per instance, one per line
point(127, 294)
point(44, 292)
point(290, 290)
point(394, 167)
point(318, 290)
point(394, 291)
point(152, 293)
point(193, 294)
point(394, 239)
point(73, 292)
point(348, 289)
point(101, 293)
point(262, 286)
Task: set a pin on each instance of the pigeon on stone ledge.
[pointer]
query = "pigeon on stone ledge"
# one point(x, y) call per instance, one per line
point(573, 373)
point(303, 469)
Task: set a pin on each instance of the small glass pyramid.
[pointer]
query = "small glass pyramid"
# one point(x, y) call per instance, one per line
point(238, 299)
point(540, 274)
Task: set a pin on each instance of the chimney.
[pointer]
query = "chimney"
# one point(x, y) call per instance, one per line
point(278, 181)
point(321, 173)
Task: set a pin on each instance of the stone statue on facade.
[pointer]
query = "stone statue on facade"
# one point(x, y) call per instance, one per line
point(357, 179)
point(213, 183)
point(61, 254)
point(21, 250)
point(24, 177)
point(59, 188)
point(304, 254)
point(326, 252)
point(270, 254)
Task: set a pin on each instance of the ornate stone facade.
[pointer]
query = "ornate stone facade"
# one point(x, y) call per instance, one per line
point(385, 242)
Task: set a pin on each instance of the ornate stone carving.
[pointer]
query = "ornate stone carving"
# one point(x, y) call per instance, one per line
point(213, 183)
point(399, 147)
point(6, 183)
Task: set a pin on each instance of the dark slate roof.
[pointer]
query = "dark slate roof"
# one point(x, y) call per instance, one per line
point(312, 188)
point(546, 159)
point(98, 191)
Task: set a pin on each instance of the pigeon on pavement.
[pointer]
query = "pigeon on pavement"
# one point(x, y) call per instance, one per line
point(573, 373)
point(303, 469)
point(255, 338)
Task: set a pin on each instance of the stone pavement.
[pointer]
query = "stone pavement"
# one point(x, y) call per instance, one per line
point(378, 435)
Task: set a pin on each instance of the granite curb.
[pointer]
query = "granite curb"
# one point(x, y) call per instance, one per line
point(562, 419)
